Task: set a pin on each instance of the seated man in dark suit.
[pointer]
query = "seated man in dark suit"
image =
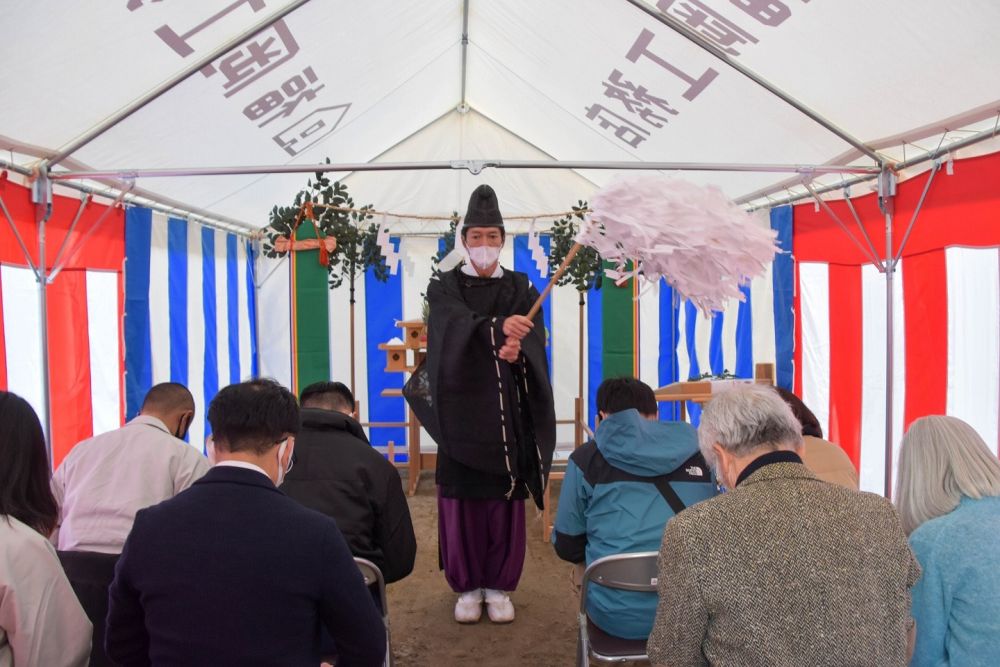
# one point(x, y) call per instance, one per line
point(233, 571)
point(339, 474)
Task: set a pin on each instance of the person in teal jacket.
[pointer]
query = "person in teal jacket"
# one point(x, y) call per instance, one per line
point(620, 490)
point(948, 493)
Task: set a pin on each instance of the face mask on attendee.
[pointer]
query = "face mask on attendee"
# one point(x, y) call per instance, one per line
point(283, 470)
point(484, 256)
point(210, 450)
point(183, 424)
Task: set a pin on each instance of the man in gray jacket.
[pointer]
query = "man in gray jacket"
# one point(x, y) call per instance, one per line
point(783, 569)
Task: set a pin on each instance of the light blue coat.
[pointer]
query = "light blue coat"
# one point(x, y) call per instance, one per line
point(956, 603)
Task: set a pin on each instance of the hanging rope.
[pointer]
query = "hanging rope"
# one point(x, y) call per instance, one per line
point(414, 216)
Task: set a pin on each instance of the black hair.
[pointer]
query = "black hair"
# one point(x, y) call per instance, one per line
point(328, 396)
point(253, 416)
point(624, 393)
point(810, 425)
point(168, 397)
point(25, 493)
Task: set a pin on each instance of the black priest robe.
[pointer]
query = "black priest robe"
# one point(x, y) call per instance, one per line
point(493, 421)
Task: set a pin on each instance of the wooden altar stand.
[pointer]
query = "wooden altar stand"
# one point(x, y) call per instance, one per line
point(404, 358)
point(701, 391)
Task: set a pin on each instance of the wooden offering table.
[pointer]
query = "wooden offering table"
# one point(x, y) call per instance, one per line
point(701, 391)
point(405, 357)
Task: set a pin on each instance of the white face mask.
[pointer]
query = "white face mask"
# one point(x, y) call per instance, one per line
point(282, 470)
point(484, 256)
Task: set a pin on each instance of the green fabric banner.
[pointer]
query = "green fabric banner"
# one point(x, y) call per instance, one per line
point(312, 310)
point(618, 323)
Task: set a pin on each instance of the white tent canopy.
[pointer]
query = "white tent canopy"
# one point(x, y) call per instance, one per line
point(357, 82)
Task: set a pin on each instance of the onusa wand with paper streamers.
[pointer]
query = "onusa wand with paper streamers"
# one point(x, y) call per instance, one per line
point(701, 243)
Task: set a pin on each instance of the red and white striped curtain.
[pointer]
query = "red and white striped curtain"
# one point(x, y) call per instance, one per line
point(946, 300)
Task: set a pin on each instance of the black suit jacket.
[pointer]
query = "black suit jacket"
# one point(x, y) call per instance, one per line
point(233, 571)
point(339, 474)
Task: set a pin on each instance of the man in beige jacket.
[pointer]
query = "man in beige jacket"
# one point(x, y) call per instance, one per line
point(783, 569)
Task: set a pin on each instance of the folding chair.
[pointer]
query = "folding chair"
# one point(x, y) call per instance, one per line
point(627, 572)
point(90, 574)
point(373, 577)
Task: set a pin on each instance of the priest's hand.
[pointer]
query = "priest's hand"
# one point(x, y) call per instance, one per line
point(517, 326)
point(510, 351)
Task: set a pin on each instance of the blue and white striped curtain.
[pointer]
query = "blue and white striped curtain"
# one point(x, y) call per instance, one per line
point(189, 310)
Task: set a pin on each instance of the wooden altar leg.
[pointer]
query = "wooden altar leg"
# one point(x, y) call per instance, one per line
point(413, 428)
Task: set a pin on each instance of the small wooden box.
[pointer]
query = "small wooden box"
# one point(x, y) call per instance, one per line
point(395, 357)
point(414, 334)
point(764, 373)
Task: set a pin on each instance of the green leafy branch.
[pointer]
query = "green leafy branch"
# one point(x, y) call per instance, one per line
point(586, 271)
point(335, 214)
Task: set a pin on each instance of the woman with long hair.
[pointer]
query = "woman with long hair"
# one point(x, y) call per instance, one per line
point(948, 492)
point(41, 620)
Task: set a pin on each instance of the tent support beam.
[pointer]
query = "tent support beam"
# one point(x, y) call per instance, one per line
point(920, 204)
point(84, 201)
point(169, 84)
point(929, 156)
point(840, 223)
point(864, 232)
point(463, 106)
point(148, 201)
point(473, 166)
point(701, 42)
point(58, 267)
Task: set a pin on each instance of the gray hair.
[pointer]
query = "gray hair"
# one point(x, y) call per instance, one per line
point(942, 459)
point(745, 418)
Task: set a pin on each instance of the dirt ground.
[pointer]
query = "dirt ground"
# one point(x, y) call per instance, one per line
point(424, 631)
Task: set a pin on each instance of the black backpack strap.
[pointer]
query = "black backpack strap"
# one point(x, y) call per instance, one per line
point(668, 493)
point(692, 470)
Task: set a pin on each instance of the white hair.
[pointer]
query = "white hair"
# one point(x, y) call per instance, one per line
point(746, 418)
point(942, 459)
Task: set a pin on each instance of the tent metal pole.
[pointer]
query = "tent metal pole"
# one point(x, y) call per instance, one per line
point(916, 211)
point(474, 166)
point(829, 211)
point(887, 193)
point(701, 42)
point(69, 233)
point(57, 267)
point(41, 192)
point(170, 83)
point(971, 140)
point(463, 106)
point(864, 232)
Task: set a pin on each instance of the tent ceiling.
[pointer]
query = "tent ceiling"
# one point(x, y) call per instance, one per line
point(382, 73)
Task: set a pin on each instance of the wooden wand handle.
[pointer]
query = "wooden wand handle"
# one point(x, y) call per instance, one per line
point(555, 278)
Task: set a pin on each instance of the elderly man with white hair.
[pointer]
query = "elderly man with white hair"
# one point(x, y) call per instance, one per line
point(783, 568)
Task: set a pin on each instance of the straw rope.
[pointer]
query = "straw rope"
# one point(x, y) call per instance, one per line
point(414, 216)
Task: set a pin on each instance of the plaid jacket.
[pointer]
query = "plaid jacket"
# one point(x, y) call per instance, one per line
point(784, 570)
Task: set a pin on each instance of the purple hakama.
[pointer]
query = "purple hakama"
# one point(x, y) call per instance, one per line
point(482, 542)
